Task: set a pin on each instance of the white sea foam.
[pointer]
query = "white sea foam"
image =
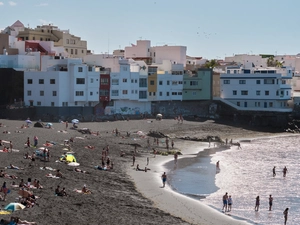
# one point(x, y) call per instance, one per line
point(246, 174)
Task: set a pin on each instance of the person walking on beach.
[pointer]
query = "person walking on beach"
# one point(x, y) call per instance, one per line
point(225, 202)
point(164, 179)
point(35, 141)
point(239, 145)
point(284, 171)
point(218, 165)
point(67, 125)
point(11, 146)
point(257, 203)
point(147, 161)
point(28, 142)
point(274, 171)
point(175, 157)
point(172, 144)
point(285, 214)
point(229, 203)
point(133, 159)
point(270, 202)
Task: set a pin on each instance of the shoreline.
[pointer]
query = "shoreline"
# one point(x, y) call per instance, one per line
point(168, 200)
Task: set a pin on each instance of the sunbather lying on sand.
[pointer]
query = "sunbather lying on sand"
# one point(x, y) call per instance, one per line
point(90, 147)
point(80, 171)
point(23, 222)
point(5, 175)
point(11, 166)
point(85, 190)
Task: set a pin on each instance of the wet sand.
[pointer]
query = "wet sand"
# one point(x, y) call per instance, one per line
point(115, 198)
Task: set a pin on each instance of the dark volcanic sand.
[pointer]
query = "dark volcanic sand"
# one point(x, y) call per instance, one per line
point(114, 198)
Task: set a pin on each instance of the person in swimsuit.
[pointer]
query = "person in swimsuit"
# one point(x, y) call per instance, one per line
point(285, 213)
point(229, 203)
point(225, 201)
point(274, 172)
point(284, 171)
point(164, 179)
point(270, 202)
point(256, 203)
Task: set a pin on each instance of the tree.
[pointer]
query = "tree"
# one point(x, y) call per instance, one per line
point(211, 64)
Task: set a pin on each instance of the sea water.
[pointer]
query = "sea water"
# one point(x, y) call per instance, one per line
point(245, 174)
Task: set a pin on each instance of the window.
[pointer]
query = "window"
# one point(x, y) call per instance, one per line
point(41, 93)
point(67, 40)
point(82, 51)
point(142, 94)
point(150, 93)
point(143, 82)
point(135, 81)
point(41, 81)
point(114, 82)
point(234, 92)
point(151, 82)
point(226, 82)
point(79, 93)
point(80, 81)
point(193, 83)
point(115, 93)
point(257, 104)
point(242, 81)
point(90, 69)
point(269, 81)
point(104, 92)
point(174, 82)
point(124, 68)
point(238, 103)
point(160, 82)
point(105, 81)
point(194, 93)
point(257, 92)
point(29, 81)
point(160, 93)
point(234, 71)
point(270, 104)
point(28, 93)
point(168, 82)
point(179, 93)
point(168, 94)
point(266, 92)
point(80, 69)
point(244, 92)
point(52, 81)
point(75, 51)
point(66, 50)
point(38, 103)
point(124, 92)
point(132, 91)
point(132, 81)
point(154, 93)
point(52, 103)
point(135, 91)
point(257, 81)
point(92, 80)
point(91, 93)
point(71, 51)
point(124, 80)
point(41, 39)
point(76, 103)
point(174, 93)
point(54, 93)
point(228, 71)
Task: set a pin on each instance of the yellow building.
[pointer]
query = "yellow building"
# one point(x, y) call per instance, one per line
point(75, 47)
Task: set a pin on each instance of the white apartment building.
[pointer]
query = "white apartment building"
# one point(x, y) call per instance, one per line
point(259, 89)
point(129, 88)
point(63, 82)
point(143, 49)
point(257, 60)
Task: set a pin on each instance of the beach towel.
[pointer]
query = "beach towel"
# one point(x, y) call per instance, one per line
point(3, 151)
point(51, 175)
point(79, 138)
point(73, 164)
point(47, 168)
point(80, 191)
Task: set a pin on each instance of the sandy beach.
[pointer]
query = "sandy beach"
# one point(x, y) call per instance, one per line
point(119, 196)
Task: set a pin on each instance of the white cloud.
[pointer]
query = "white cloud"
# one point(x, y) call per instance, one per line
point(1, 3)
point(11, 3)
point(42, 4)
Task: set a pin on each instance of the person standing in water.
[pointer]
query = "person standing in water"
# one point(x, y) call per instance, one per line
point(225, 202)
point(218, 165)
point(229, 203)
point(270, 202)
point(274, 172)
point(256, 203)
point(284, 171)
point(285, 213)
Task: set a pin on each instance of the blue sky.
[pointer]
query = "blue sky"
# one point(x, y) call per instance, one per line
point(211, 29)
